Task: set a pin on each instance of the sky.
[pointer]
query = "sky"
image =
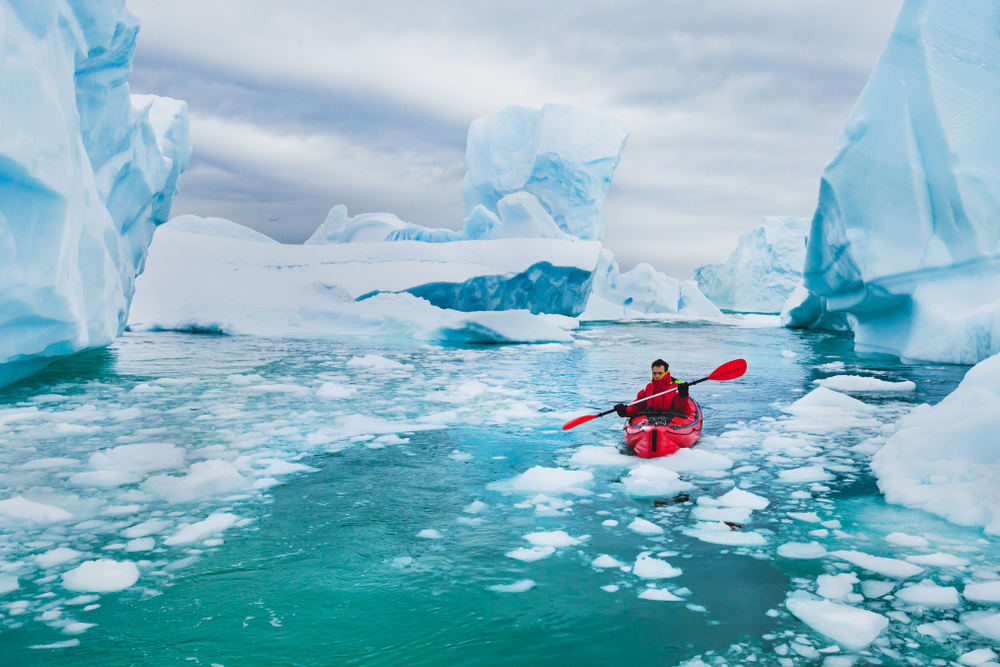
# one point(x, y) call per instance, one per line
point(735, 106)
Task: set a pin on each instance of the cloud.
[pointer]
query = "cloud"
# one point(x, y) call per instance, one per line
point(296, 106)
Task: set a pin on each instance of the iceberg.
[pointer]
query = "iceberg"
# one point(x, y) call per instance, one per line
point(763, 271)
point(943, 459)
point(466, 291)
point(87, 171)
point(904, 240)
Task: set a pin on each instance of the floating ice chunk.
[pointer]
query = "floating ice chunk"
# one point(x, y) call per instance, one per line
point(610, 588)
point(47, 464)
point(836, 586)
point(555, 538)
point(875, 589)
point(101, 576)
point(532, 554)
point(212, 525)
point(365, 425)
point(644, 527)
point(929, 594)
point(647, 567)
point(741, 498)
point(823, 401)
point(609, 523)
point(204, 479)
point(986, 623)
point(693, 460)
point(377, 361)
point(938, 560)
point(516, 587)
point(69, 643)
point(460, 456)
point(808, 517)
point(887, 567)
point(144, 457)
point(659, 595)
point(594, 455)
point(21, 509)
point(988, 592)
point(105, 478)
point(904, 540)
point(545, 479)
point(720, 533)
point(429, 534)
point(850, 627)
point(334, 390)
point(140, 544)
point(649, 480)
point(605, 560)
point(475, 507)
point(8, 584)
point(977, 657)
point(803, 551)
point(147, 527)
point(282, 467)
point(806, 474)
point(56, 556)
point(858, 383)
point(731, 514)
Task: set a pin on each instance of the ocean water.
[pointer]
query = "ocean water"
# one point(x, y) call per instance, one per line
point(346, 451)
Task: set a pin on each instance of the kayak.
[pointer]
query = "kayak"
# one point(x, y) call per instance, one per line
point(663, 433)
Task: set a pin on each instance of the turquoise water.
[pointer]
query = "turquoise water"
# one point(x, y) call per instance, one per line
point(330, 570)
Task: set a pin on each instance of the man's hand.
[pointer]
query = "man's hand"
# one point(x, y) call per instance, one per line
point(621, 410)
point(682, 390)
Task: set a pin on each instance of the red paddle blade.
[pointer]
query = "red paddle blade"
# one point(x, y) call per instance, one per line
point(729, 370)
point(579, 420)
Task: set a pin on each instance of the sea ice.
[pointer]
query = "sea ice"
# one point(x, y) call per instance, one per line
point(19, 508)
point(803, 551)
point(101, 576)
point(731, 514)
point(806, 474)
point(887, 567)
point(859, 383)
point(146, 457)
point(929, 594)
point(605, 560)
point(429, 534)
point(212, 525)
point(850, 627)
point(836, 586)
point(649, 480)
point(643, 290)
point(204, 479)
point(720, 533)
point(647, 567)
point(762, 272)
point(555, 538)
point(904, 540)
point(593, 455)
point(516, 587)
point(644, 527)
point(988, 592)
point(8, 584)
point(548, 480)
point(938, 560)
point(741, 498)
point(532, 554)
point(659, 595)
point(977, 657)
point(57, 556)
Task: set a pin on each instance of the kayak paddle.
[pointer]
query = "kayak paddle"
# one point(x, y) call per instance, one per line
point(727, 371)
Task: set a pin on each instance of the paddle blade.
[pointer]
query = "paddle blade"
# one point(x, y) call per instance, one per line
point(579, 420)
point(729, 370)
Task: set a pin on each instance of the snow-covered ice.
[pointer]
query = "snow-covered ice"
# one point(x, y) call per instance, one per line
point(762, 272)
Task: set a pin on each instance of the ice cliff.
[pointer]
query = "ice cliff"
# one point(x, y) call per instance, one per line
point(903, 245)
point(86, 173)
point(762, 272)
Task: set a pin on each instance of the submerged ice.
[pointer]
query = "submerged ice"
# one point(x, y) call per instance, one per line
point(86, 173)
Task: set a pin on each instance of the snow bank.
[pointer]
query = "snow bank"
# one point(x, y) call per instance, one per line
point(943, 459)
point(226, 285)
point(762, 272)
point(88, 171)
point(904, 240)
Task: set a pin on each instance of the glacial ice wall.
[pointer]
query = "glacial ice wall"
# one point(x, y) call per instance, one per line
point(904, 240)
point(762, 272)
point(87, 171)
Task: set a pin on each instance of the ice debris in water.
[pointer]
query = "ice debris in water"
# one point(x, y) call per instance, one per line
point(101, 576)
point(516, 587)
point(850, 627)
point(856, 383)
point(429, 534)
point(647, 567)
point(555, 538)
point(548, 480)
point(801, 551)
point(649, 480)
point(644, 527)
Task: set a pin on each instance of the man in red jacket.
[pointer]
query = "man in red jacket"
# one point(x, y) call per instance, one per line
point(676, 401)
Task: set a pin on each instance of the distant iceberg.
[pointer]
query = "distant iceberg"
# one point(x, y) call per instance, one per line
point(904, 241)
point(86, 173)
point(763, 271)
point(644, 290)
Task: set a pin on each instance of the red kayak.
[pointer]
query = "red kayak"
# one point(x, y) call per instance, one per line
point(662, 434)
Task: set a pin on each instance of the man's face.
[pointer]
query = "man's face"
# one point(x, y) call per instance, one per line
point(658, 372)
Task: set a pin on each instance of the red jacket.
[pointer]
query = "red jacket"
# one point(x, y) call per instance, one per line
point(667, 403)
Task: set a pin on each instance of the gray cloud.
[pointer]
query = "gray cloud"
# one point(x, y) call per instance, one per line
point(296, 106)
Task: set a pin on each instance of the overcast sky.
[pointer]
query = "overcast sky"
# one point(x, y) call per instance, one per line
point(735, 106)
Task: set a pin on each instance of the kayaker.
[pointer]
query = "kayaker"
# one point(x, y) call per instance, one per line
point(676, 401)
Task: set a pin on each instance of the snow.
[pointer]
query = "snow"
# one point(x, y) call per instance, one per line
point(802, 551)
point(941, 459)
point(89, 171)
point(888, 567)
point(647, 567)
point(428, 291)
point(218, 227)
point(101, 576)
point(762, 272)
point(852, 628)
point(929, 594)
point(904, 237)
point(644, 527)
point(857, 383)
point(540, 478)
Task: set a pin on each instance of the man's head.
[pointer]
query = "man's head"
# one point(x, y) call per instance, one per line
point(659, 368)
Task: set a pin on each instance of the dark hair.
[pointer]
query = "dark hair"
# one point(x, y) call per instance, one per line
point(660, 362)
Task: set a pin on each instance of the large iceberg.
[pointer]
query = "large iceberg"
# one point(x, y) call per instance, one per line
point(904, 241)
point(87, 171)
point(225, 281)
point(944, 459)
point(763, 271)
